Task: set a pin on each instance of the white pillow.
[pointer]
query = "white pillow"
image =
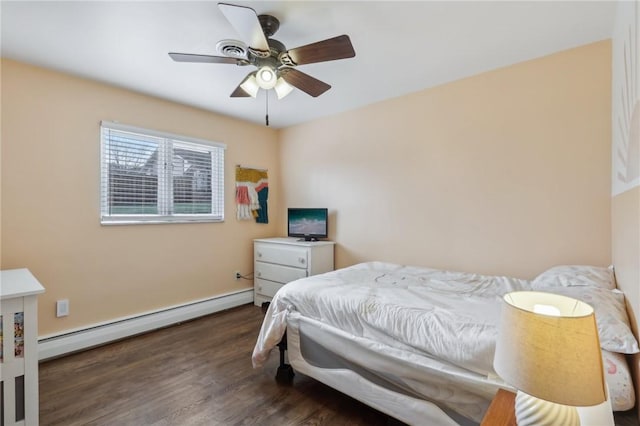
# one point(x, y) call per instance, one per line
point(576, 275)
point(618, 378)
point(611, 315)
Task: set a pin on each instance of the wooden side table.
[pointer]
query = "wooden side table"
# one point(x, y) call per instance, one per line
point(502, 411)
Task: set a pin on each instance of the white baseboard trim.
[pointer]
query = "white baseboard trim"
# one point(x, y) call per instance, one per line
point(99, 334)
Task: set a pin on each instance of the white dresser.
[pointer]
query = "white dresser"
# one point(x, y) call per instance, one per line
point(19, 290)
point(278, 261)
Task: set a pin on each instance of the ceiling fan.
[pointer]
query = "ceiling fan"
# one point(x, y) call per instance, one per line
point(276, 65)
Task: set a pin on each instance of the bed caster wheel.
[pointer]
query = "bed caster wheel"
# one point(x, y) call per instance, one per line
point(285, 374)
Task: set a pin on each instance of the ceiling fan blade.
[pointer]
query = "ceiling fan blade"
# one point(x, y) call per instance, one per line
point(190, 57)
point(306, 83)
point(246, 22)
point(240, 92)
point(327, 50)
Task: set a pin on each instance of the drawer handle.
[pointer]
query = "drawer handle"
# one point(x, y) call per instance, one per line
point(301, 260)
point(259, 288)
point(259, 274)
point(259, 254)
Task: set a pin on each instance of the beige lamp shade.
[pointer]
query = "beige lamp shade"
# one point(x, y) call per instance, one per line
point(548, 347)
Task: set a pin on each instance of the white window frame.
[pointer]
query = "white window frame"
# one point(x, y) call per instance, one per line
point(166, 142)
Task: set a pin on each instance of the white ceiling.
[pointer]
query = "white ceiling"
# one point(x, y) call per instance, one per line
point(401, 47)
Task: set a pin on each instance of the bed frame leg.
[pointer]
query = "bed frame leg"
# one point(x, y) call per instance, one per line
point(285, 371)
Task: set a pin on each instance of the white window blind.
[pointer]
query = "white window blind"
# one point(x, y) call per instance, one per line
point(154, 177)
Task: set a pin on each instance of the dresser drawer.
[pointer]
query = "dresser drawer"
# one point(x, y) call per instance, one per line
point(278, 273)
point(281, 254)
point(278, 261)
point(267, 288)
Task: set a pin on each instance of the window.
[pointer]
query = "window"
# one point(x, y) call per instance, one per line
point(153, 177)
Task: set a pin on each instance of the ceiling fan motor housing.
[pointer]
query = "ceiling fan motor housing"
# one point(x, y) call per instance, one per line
point(272, 59)
point(269, 24)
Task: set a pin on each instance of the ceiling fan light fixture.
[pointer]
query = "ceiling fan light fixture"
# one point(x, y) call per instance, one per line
point(266, 78)
point(250, 85)
point(282, 88)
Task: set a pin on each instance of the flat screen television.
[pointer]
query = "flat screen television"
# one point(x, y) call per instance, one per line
point(307, 223)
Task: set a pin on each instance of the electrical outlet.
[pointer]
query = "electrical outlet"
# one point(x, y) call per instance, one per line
point(62, 308)
point(237, 275)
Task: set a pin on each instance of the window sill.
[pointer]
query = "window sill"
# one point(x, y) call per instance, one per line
point(159, 220)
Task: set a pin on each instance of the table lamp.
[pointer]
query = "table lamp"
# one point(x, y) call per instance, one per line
point(548, 349)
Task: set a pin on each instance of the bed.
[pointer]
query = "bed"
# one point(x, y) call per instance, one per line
point(417, 343)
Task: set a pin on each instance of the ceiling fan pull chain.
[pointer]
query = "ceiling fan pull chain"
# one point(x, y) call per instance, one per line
point(266, 117)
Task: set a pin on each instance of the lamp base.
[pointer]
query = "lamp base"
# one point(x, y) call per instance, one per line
point(597, 415)
point(532, 411)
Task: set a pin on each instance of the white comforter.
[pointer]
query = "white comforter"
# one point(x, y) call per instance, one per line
point(451, 316)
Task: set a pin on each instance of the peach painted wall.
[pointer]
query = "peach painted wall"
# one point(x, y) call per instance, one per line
point(626, 245)
point(506, 172)
point(626, 150)
point(51, 209)
point(625, 147)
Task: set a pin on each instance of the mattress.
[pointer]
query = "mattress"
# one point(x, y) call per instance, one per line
point(425, 333)
point(451, 316)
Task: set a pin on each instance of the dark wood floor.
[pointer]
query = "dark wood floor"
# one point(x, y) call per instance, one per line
point(627, 418)
point(195, 373)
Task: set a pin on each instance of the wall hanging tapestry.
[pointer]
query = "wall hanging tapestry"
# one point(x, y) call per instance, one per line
point(252, 192)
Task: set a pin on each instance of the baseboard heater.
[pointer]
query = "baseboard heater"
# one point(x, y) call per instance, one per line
point(74, 340)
